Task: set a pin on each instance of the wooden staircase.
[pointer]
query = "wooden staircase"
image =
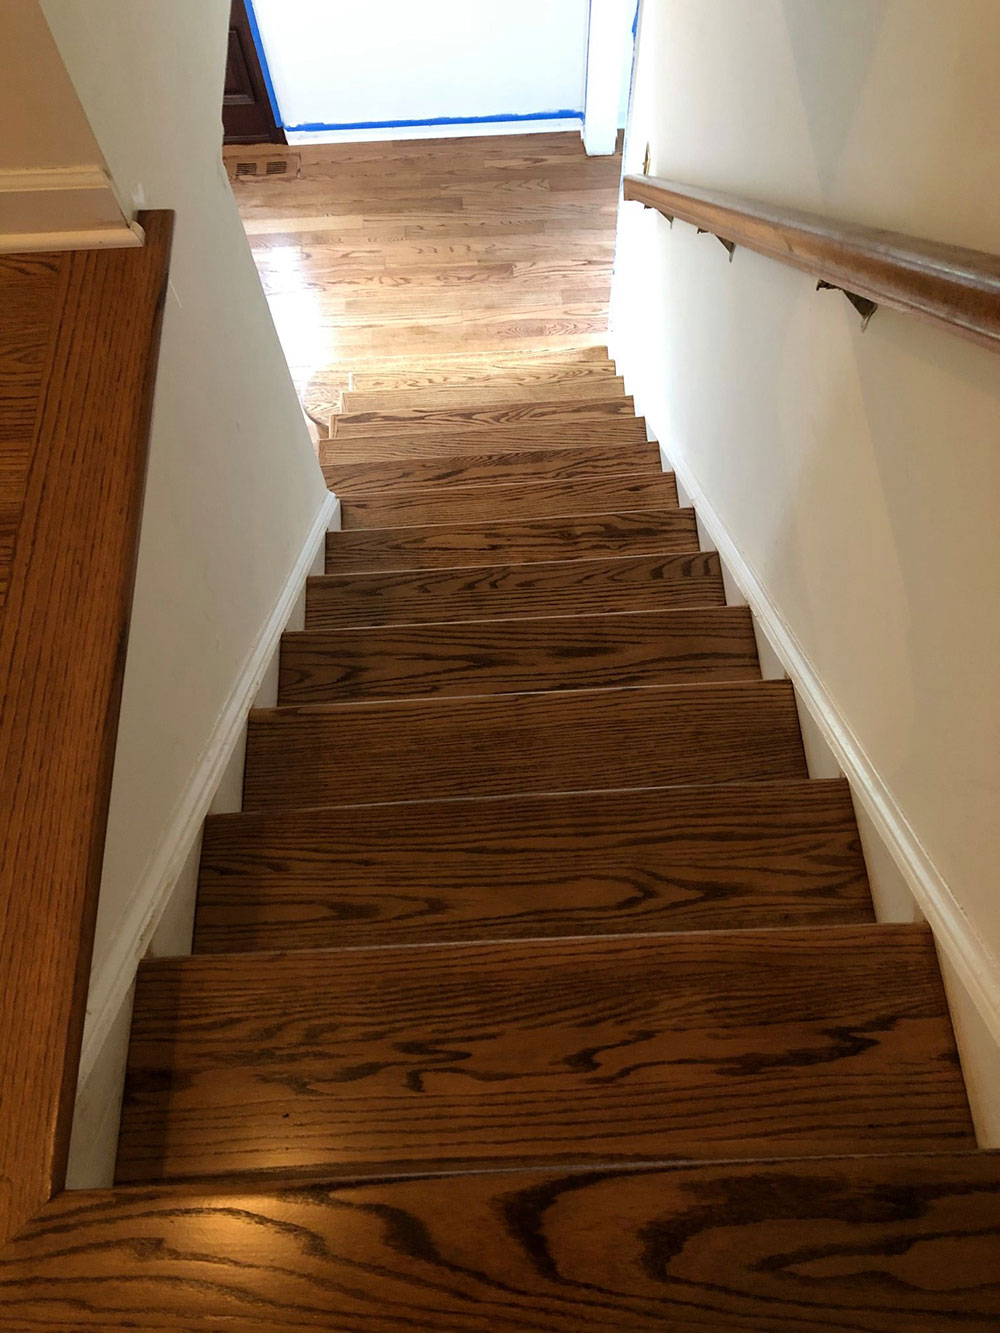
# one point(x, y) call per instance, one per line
point(537, 987)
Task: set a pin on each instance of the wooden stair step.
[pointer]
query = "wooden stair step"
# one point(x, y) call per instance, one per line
point(439, 421)
point(670, 859)
point(486, 391)
point(887, 1244)
point(487, 439)
point(574, 740)
point(546, 499)
point(518, 366)
point(714, 1044)
point(510, 656)
point(555, 587)
point(531, 466)
point(459, 545)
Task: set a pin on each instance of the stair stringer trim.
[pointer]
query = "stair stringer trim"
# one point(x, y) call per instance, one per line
point(976, 966)
point(109, 987)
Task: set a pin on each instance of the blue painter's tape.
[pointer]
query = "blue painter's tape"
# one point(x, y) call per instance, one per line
point(258, 42)
point(314, 126)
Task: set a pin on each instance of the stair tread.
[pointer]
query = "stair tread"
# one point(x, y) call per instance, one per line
point(407, 444)
point(511, 656)
point(726, 857)
point(484, 592)
point(568, 413)
point(521, 743)
point(880, 1244)
point(402, 476)
point(731, 1044)
point(485, 392)
point(459, 545)
point(545, 499)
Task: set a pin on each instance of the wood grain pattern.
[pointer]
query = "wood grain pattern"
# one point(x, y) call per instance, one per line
point(860, 1245)
point(507, 656)
point(62, 643)
point(433, 255)
point(458, 545)
point(585, 366)
point(718, 1044)
point(520, 743)
point(545, 499)
point(487, 592)
point(401, 477)
point(28, 301)
point(951, 286)
point(703, 858)
point(489, 390)
point(511, 438)
point(452, 420)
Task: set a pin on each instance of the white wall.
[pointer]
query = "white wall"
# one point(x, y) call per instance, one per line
point(856, 475)
point(338, 62)
point(53, 183)
point(234, 488)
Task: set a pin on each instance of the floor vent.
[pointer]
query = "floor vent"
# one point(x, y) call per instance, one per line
point(242, 168)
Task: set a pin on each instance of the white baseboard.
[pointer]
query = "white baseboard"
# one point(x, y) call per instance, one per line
point(109, 986)
point(957, 938)
point(70, 208)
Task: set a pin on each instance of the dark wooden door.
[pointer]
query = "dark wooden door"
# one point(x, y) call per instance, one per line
point(246, 108)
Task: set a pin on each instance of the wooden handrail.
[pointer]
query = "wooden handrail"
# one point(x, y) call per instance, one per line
point(79, 335)
point(949, 285)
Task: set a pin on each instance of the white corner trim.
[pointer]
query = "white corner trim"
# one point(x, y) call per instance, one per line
point(66, 208)
point(956, 935)
point(110, 985)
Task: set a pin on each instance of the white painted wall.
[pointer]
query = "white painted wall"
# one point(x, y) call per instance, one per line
point(54, 187)
point(341, 62)
point(234, 489)
point(856, 475)
point(609, 66)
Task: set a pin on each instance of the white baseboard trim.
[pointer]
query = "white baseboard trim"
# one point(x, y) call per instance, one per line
point(69, 208)
point(957, 938)
point(110, 985)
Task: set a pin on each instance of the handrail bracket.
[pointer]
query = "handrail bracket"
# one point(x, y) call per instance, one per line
point(862, 304)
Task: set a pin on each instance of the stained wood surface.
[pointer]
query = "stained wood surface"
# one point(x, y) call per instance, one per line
point(450, 420)
point(511, 541)
point(951, 286)
point(717, 1044)
point(456, 251)
point(861, 1245)
point(579, 366)
point(487, 592)
point(514, 437)
point(85, 416)
point(520, 743)
point(545, 499)
point(597, 384)
point(402, 476)
point(701, 858)
point(29, 301)
point(507, 656)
